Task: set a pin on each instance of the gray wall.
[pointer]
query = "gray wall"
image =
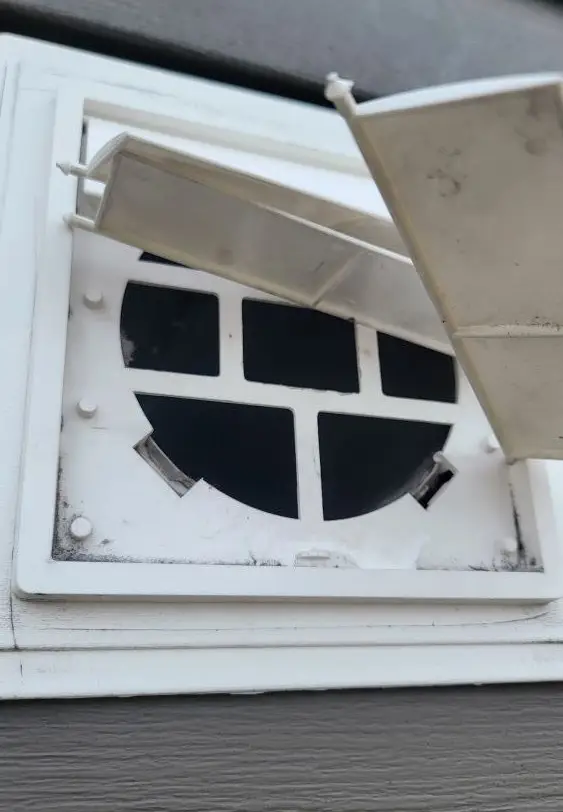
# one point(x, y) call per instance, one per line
point(453, 750)
point(289, 45)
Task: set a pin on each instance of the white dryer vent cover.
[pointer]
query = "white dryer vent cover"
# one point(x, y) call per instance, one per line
point(473, 176)
point(281, 435)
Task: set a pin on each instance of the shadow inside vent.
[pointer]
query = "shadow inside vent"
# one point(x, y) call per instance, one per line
point(368, 462)
point(148, 257)
point(245, 451)
point(411, 371)
point(295, 346)
point(170, 330)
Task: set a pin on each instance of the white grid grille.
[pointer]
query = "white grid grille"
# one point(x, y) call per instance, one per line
point(136, 516)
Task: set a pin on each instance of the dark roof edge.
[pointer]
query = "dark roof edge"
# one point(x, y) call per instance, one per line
point(76, 33)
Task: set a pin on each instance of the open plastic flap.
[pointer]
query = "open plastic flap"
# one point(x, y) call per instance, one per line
point(473, 177)
point(274, 238)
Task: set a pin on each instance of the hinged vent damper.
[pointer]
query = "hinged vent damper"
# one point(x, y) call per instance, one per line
point(473, 176)
point(202, 214)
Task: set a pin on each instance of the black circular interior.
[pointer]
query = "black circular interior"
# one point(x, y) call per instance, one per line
point(248, 451)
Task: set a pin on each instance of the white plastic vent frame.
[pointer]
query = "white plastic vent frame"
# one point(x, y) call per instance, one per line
point(101, 477)
point(100, 645)
point(57, 106)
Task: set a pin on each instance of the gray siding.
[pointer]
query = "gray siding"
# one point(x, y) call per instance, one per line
point(453, 750)
point(386, 45)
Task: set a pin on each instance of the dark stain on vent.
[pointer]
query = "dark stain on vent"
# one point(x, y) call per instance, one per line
point(368, 462)
point(411, 371)
point(245, 451)
point(294, 346)
point(170, 330)
point(147, 257)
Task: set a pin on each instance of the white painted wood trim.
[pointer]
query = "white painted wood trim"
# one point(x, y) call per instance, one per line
point(42, 674)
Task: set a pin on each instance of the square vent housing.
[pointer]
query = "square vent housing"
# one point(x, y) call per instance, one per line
point(209, 487)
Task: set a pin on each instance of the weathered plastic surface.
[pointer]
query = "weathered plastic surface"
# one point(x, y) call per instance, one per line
point(263, 234)
point(473, 176)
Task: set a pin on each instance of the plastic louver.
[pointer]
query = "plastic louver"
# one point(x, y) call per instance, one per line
point(473, 176)
point(305, 249)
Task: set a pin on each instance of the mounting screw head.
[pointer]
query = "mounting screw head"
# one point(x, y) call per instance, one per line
point(490, 444)
point(93, 299)
point(81, 528)
point(86, 408)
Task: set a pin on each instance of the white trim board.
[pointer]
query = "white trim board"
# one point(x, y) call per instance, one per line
point(98, 646)
point(40, 674)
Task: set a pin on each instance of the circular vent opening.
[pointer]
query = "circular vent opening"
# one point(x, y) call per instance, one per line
point(247, 450)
